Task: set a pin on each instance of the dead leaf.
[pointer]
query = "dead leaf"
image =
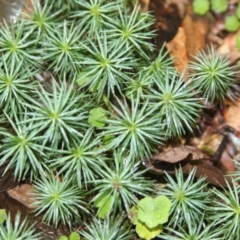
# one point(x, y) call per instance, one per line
point(23, 194)
point(177, 50)
point(232, 115)
point(186, 157)
point(181, 153)
point(229, 47)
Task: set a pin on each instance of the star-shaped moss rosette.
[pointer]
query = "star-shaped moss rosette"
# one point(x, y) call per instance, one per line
point(149, 215)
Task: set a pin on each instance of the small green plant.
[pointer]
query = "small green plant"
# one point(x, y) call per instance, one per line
point(149, 215)
point(194, 230)
point(225, 211)
point(176, 105)
point(110, 228)
point(135, 129)
point(213, 76)
point(189, 198)
point(59, 200)
point(118, 185)
point(16, 230)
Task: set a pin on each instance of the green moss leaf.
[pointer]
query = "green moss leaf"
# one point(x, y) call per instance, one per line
point(201, 7)
point(97, 117)
point(232, 23)
point(219, 6)
point(152, 211)
point(3, 215)
point(74, 236)
point(148, 233)
point(104, 206)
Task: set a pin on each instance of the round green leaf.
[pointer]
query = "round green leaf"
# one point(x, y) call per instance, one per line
point(201, 7)
point(97, 117)
point(74, 236)
point(232, 23)
point(219, 6)
point(153, 212)
point(148, 233)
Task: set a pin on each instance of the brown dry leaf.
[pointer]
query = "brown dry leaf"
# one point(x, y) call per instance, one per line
point(196, 29)
point(213, 174)
point(177, 49)
point(229, 47)
point(232, 115)
point(186, 157)
point(23, 194)
point(181, 153)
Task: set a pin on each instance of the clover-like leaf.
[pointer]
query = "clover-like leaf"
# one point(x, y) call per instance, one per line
point(3, 215)
point(148, 233)
point(97, 117)
point(154, 211)
point(74, 236)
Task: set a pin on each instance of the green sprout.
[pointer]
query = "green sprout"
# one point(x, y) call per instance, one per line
point(58, 200)
point(17, 46)
point(62, 51)
point(213, 76)
point(118, 184)
point(135, 128)
point(17, 229)
point(106, 67)
point(194, 231)
point(81, 161)
point(134, 30)
point(108, 229)
point(189, 198)
point(225, 211)
point(22, 148)
point(95, 15)
point(174, 102)
point(41, 21)
point(59, 116)
point(16, 87)
point(159, 66)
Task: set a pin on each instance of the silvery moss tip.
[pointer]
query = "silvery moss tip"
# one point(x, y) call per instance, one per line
point(109, 228)
point(17, 229)
point(60, 200)
point(176, 105)
point(189, 198)
point(119, 181)
point(224, 211)
point(212, 74)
